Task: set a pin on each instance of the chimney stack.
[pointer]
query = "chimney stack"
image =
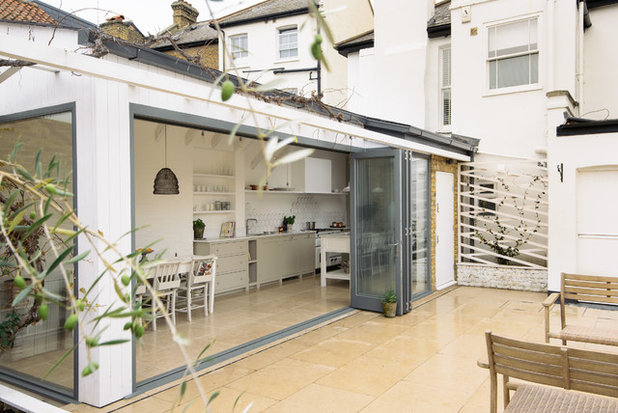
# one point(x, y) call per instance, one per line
point(120, 28)
point(184, 14)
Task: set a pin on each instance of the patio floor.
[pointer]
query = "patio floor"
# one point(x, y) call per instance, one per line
point(424, 361)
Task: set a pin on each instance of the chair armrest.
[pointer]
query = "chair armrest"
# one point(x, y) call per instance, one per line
point(483, 364)
point(551, 299)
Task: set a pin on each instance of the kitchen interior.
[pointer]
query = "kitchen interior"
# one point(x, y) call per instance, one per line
point(267, 276)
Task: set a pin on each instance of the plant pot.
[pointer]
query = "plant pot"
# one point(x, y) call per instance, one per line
point(389, 309)
point(198, 233)
point(290, 228)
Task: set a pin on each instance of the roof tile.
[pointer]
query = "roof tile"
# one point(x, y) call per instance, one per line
point(23, 11)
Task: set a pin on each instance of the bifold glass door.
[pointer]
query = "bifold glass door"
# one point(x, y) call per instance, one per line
point(390, 227)
point(376, 233)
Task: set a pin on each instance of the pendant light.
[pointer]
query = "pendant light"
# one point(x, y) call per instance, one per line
point(165, 182)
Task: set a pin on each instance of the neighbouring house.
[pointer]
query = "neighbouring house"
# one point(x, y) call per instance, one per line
point(119, 119)
point(119, 28)
point(271, 42)
point(195, 38)
point(508, 72)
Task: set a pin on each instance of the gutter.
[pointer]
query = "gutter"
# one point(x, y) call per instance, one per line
point(580, 126)
point(197, 43)
point(304, 69)
point(354, 47)
point(440, 30)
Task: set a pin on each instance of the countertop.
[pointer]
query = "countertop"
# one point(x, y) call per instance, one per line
point(254, 237)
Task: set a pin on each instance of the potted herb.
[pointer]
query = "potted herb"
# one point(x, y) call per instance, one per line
point(389, 303)
point(288, 223)
point(198, 229)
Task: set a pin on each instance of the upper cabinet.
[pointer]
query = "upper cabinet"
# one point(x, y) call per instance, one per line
point(312, 175)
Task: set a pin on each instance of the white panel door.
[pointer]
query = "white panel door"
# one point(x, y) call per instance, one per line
point(445, 231)
point(597, 221)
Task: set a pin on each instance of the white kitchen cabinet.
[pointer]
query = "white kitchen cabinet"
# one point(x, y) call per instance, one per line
point(280, 177)
point(232, 263)
point(312, 175)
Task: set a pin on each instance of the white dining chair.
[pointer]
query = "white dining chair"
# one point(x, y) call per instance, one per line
point(166, 282)
point(198, 290)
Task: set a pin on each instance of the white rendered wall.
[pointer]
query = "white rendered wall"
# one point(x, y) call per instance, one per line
point(400, 62)
point(573, 152)
point(601, 63)
point(509, 121)
point(42, 34)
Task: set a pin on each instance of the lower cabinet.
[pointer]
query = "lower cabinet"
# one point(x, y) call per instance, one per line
point(232, 263)
point(284, 256)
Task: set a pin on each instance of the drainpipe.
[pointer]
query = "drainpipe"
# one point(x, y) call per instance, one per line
point(580, 63)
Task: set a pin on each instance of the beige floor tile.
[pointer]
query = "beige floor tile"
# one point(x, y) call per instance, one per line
point(416, 398)
point(227, 401)
point(315, 398)
point(272, 355)
point(460, 376)
point(210, 382)
point(333, 352)
point(367, 375)
point(472, 346)
point(316, 336)
point(281, 379)
point(409, 351)
point(375, 331)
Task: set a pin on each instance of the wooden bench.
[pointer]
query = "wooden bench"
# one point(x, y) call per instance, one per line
point(566, 369)
point(583, 288)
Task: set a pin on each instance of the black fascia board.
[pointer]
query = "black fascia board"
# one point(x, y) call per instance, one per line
point(441, 30)
point(355, 47)
point(196, 43)
point(575, 126)
point(267, 17)
point(600, 3)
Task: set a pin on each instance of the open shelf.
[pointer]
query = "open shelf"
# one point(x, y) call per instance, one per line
point(229, 211)
point(296, 192)
point(213, 176)
point(214, 193)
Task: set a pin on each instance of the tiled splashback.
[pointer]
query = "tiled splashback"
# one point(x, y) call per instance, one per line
point(269, 210)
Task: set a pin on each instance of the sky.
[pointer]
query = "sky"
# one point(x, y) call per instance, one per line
point(150, 16)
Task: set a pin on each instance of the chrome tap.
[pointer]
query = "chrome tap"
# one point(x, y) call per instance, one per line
point(247, 224)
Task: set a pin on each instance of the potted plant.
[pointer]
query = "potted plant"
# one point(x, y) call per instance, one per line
point(389, 303)
point(288, 223)
point(198, 229)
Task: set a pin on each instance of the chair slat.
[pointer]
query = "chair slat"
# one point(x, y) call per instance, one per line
point(526, 345)
point(592, 284)
point(582, 364)
point(523, 365)
point(591, 298)
point(530, 376)
point(594, 388)
point(595, 377)
point(598, 278)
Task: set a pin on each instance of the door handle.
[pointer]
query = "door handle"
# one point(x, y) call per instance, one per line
point(437, 239)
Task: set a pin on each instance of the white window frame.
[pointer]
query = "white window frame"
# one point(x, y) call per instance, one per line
point(280, 32)
point(239, 55)
point(445, 87)
point(532, 49)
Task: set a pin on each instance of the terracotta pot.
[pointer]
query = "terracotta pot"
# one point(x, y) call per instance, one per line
point(389, 309)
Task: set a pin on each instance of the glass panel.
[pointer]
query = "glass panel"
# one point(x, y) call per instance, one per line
point(288, 43)
point(534, 68)
point(446, 67)
point(37, 346)
point(512, 38)
point(493, 75)
point(419, 209)
point(376, 232)
point(239, 46)
point(533, 34)
point(514, 71)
